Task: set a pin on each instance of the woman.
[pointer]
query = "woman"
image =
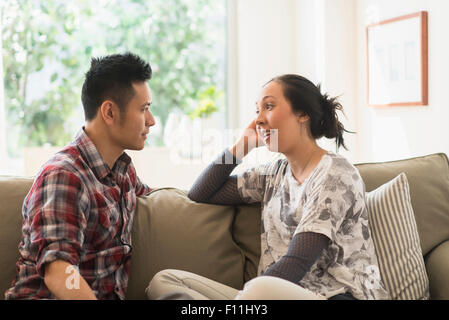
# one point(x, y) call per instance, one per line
point(316, 242)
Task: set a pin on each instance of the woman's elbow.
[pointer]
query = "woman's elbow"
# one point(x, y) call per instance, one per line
point(194, 196)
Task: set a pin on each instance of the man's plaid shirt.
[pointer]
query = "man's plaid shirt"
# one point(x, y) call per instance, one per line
point(80, 211)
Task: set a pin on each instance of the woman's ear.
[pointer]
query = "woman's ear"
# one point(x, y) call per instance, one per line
point(302, 117)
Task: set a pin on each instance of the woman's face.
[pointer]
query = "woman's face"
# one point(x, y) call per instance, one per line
point(276, 122)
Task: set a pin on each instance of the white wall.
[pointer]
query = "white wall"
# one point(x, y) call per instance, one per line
point(402, 132)
point(266, 48)
point(325, 41)
point(339, 67)
point(314, 38)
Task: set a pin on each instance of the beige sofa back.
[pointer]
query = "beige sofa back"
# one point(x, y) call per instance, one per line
point(172, 232)
point(12, 192)
point(428, 177)
point(222, 243)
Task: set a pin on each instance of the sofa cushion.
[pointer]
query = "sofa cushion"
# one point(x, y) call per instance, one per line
point(246, 231)
point(172, 232)
point(12, 192)
point(396, 240)
point(428, 177)
point(437, 266)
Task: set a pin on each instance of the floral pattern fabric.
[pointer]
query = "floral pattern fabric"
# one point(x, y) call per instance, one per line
point(331, 201)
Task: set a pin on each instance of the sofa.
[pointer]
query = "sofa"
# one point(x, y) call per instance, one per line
point(222, 242)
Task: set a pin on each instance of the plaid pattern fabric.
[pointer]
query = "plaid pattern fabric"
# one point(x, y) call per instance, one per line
point(80, 211)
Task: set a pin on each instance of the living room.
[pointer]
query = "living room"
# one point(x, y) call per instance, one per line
point(252, 41)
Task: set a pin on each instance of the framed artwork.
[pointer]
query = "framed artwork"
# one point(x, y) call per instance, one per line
point(397, 61)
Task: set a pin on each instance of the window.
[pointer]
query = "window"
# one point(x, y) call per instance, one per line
point(47, 46)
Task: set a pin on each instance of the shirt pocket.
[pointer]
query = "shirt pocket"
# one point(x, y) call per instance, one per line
point(108, 225)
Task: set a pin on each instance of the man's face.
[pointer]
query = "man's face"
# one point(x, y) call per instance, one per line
point(133, 127)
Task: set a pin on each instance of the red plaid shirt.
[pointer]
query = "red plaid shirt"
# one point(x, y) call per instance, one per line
point(80, 211)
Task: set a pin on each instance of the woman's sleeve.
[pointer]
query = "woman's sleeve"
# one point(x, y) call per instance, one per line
point(214, 185)
point(303, 251)
point(252, 183)
point(332, 202)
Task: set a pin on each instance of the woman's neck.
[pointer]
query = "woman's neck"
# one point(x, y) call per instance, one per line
point(303, 159)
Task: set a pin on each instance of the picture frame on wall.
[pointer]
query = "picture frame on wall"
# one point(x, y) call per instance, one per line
point(397, 61)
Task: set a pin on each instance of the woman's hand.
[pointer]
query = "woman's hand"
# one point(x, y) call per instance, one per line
point(247, 141)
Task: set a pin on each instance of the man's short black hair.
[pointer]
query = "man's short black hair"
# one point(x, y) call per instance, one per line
point(111, 77)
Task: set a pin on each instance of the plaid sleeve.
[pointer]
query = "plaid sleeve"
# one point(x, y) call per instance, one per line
point(57, 219)
point(142, 188)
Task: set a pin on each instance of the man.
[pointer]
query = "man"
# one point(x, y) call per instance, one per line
point(78, 215)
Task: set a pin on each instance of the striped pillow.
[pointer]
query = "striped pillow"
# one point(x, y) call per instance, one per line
point(396, 240)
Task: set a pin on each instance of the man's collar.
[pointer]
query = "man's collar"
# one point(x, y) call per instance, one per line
point(94, 159)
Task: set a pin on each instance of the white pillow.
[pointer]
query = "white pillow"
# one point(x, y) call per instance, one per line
point(396, 240)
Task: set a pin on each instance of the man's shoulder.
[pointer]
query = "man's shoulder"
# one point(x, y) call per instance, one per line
point(60, 175)
point(66, 161)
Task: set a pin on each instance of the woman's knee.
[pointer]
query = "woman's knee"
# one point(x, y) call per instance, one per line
point(158, 284)
point(255, 288)
point(273, 288)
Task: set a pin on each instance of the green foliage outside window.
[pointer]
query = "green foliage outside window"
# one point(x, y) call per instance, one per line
point(207, 103)
point(51, 42)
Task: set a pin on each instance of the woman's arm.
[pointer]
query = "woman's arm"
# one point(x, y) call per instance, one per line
point(303, 251)
point(214, 185)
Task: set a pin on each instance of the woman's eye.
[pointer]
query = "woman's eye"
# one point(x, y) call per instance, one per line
point(268, 106)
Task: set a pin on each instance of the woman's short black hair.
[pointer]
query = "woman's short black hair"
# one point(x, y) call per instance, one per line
point(111, 77)
point(305, 97)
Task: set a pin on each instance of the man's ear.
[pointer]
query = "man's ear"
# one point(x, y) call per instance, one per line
point(108, 111)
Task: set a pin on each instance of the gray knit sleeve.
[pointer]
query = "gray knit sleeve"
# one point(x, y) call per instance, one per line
point(303, 251)
point(214, 185)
